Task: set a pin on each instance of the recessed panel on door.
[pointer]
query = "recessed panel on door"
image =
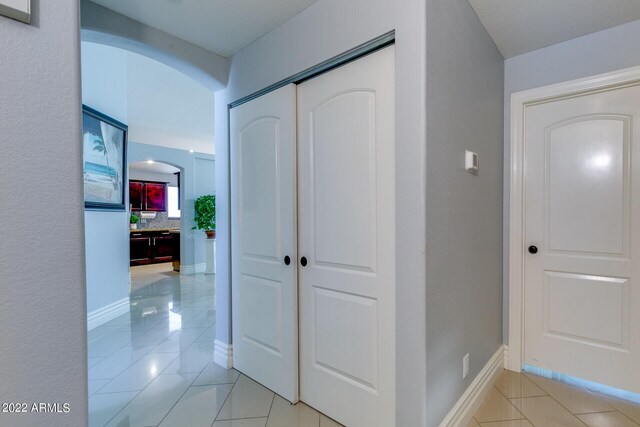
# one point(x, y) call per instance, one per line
point(263, 233)
point(262, 300)
point(582, 207)
point(259, 186)
point(346, 214)
point(587, 185)
point(333, 311)
point(343, 145)
point(598, 314)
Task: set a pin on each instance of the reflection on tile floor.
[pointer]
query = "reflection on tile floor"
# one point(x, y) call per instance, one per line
point(525, 400)
point(154, 366)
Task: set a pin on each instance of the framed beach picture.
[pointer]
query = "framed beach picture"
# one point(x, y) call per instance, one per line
point(104, 143)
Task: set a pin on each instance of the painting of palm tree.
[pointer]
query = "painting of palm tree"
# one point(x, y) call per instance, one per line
point(104, 145)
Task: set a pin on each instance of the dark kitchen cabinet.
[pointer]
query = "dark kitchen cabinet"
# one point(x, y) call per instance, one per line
point(148, 196)
point(150, 247)
point(163, 248)
point(156, 195)
point(139, 249)
point(136, 195)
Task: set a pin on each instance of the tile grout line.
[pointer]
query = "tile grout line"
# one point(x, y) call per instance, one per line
point(232, 420)
point(608, 412)
point(129, 367)
point(596, 412)
point(627, 417)
point(273, 399)
point(225, 399)
point(181, 396)
point(555, 400)
point(143, 389)
point(511, 403)
point(122, 409)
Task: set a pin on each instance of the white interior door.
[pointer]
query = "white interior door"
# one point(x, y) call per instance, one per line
point(347, 236)
point(263, 212)
point(582, 296)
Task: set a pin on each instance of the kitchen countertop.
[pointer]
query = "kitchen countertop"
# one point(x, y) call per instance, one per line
point(152, 230)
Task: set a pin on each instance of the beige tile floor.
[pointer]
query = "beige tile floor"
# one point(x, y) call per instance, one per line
point(525, 400)
point(154, 366)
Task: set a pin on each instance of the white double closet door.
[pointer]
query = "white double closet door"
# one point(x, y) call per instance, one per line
point(313, 241)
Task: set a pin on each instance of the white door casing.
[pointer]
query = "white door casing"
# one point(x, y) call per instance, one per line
point(574, 304)
point(263, 212)
point(346, 214)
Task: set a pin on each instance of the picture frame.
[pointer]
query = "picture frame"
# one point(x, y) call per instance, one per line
point(104, 143)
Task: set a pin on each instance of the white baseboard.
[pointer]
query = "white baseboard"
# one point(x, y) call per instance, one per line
point(193, 269)
point(108, 312)
point(223, 354)
point(471, 399)
point(506, 356)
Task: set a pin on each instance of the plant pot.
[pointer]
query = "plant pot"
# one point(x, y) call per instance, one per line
point(133, 226)
point(211, 234)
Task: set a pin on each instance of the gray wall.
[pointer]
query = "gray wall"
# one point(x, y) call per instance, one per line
point(42, 309)
point(596, 53)
point(323, 30)
point(464, 211)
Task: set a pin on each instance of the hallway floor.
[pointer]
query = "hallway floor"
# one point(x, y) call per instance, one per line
point(525, 400)
point(154, 366)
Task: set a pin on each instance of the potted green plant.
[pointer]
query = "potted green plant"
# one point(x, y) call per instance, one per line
point(133, 221)
point(205, 215)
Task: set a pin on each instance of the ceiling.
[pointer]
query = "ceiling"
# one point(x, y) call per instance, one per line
point(519, 26)
point(221, 26)
point(516, 26)
point(154, 167)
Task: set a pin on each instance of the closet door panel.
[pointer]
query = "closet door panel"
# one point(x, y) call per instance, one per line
point(346, 214)
point(263, 233)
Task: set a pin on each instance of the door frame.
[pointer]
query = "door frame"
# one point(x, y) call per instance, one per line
point(514, 357)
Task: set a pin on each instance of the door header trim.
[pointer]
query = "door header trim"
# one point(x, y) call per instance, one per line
point(519, 102)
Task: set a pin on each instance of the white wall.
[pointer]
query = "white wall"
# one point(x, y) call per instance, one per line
point(42, 279)
point(325, 29)
point(464, 211)
point(596, 53)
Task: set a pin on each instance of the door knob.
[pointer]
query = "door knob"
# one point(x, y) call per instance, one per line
point(287, 260)
point(533, 249)
point(303, 261)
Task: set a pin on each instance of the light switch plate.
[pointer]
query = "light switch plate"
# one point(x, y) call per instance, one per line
point(470, 161)
point(19, 10)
